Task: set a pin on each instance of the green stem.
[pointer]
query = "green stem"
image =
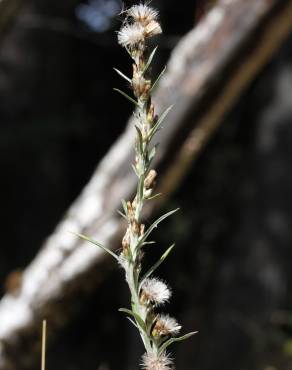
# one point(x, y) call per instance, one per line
point(137, 307)
point(142, 167)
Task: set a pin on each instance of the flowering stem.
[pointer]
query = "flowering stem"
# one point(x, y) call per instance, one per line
point(134, 38)
point(157, 331)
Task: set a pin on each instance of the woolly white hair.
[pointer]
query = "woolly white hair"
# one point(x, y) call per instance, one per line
point(152, 29)
point(131, 35)
point(151, 361)
point(142, 13)
point(156, 291)
point(167, 325)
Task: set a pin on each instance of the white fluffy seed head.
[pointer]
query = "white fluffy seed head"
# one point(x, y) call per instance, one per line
point(142, 13)
point(166, 325)
point(151, 361)
point(131, 35)
point(155, 291)
point(140, 24)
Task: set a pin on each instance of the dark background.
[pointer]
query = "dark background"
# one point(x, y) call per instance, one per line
point(231, 270)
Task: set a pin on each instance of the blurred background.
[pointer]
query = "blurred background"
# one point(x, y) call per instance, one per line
point(231, 270)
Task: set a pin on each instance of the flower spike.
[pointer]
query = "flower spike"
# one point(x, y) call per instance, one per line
point(157, 331)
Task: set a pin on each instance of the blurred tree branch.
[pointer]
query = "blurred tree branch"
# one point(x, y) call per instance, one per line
point(207, 72)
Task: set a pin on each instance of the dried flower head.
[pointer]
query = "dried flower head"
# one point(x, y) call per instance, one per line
point(142, 13)
point(155, 291)
point(151, 361)
point(131, 35)
point(150, 179)
point(165, 325)
point(143, 24)
point(152, 29)
point(141, 87)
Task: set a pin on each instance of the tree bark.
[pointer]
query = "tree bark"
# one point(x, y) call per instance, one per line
point(208, 70)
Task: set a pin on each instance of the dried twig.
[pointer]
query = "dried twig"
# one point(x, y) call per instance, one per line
point(44, 338)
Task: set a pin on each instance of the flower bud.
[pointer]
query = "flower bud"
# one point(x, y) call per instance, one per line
point(142, 229)
point(126, 242)
point(150, 179)
point(150, 114)
point(135, 227)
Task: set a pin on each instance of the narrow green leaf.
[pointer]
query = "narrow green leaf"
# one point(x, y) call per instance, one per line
point(158, 78)
point(98, 244)
point(121, 214)
point(157, 222)
point(149, 61)
point(159, 122)
point(152, 153)
point(125, 208)
point(122, 75)
point(154, 225)
point(156, 265)
point(173, 340)
point(164, 114)
point(127, 97)
point(139, 320)
point(132, 321)
point(154, 196)
point(127, 311)
point(134, 169)
point(149, 243)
